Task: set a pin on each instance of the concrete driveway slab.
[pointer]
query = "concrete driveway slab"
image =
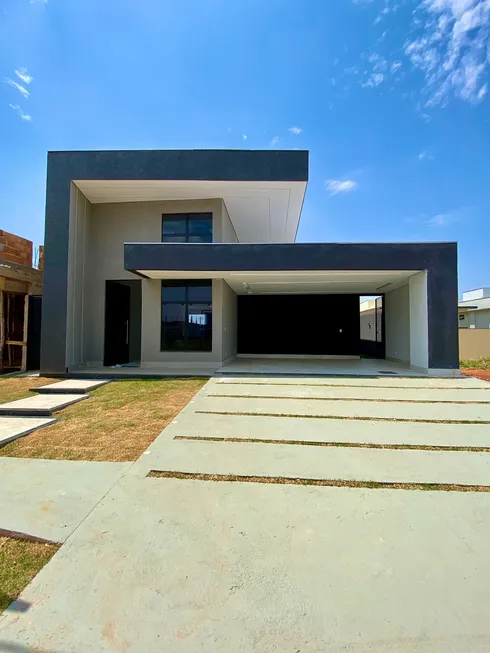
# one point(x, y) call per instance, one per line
point(464, 382)
point(330, 463)
point(40, 405)
point(331, 430)
point(168, 565)
point(352, 393)
point(49, 498)
point(349, 409)
point(71, 386)
point(12, 428)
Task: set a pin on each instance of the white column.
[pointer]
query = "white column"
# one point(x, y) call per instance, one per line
point(419, 322)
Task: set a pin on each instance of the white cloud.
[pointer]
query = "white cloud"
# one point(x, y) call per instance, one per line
point(275, 141)
point(244, 137)
point(375, 79)
point(34, 2)
point(18, 110)
point(23, 75)
point(444, 219)
point(295, 130)
point(335, 186)
point(19, 87)
point(425, 155)
point(452, 51)
point(396, 65)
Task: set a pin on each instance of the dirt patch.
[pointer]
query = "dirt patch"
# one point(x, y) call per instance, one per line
point(20, 561)
point(484, 375)
point(116, 424)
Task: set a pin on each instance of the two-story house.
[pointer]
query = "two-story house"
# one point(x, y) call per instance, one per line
point(176, 262)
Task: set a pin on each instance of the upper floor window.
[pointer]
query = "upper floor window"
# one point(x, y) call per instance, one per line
point(187, 228)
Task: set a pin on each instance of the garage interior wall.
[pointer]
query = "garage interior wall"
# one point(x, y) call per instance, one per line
point(311, 325)
point(397, 324)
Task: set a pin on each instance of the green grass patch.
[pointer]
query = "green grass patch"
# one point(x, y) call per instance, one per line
point(116, 424)
point(20, 561)
point(476, 364)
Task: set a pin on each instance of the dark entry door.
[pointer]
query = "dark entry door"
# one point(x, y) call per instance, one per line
point(117, 311)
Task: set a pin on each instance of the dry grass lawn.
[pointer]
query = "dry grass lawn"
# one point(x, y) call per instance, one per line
point(17, 387)
point(116, 424)
point(20, 561)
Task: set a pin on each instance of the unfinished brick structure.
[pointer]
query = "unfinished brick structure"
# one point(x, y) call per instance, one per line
point(20, 289)
point(15, 249)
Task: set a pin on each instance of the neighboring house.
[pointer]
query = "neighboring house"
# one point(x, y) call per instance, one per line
point(20, 303)
point(176, 261)
point(474, 324)
point(474, 309)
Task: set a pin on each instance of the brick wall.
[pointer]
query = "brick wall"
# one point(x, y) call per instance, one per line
point(40, 265)
point(15, 249)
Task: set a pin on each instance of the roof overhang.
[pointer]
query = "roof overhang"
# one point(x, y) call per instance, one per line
point(260, 211)
point(284, 268)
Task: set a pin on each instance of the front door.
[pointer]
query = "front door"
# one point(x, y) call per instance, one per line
point(117, 312)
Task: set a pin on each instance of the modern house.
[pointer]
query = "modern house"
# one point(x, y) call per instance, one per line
point(474, 324)
point(474, 309)
point(180, 261)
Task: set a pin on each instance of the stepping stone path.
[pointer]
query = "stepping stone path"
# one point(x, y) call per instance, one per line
point(21, 417)
point(70, 386)
point(12, 428)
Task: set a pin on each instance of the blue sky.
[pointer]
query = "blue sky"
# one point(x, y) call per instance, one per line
point(389, 96)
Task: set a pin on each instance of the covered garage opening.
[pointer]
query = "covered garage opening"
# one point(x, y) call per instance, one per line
point(299, 325)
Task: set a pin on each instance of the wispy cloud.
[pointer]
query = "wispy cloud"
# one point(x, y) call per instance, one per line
point(445, 219)
point(275, 141)
point(335, 186)
point(375, 79)
point(18, 110)
point(425, 155)
point(23, 75)
point(40, 2)
point(451, 49)
point(22, 89)
point(244, 137)
point(295, 130)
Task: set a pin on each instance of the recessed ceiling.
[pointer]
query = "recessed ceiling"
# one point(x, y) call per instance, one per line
point(261, 212)
point(277, 283)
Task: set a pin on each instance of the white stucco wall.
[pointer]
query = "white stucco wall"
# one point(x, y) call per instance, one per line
point(397, 324)
point(96, 254)
point(419, 322)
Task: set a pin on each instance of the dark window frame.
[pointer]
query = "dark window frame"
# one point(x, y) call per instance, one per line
point(186, 219)
point(186, 302)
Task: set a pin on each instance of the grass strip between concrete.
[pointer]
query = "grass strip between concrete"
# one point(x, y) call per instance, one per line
point(362, 418)
point(345, 385)
point(356, 399)
point(283, 480)
point(354, 445)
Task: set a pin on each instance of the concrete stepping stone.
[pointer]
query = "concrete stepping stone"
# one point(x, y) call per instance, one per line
point(40, 405)
point(12, 428)
point(71, 386)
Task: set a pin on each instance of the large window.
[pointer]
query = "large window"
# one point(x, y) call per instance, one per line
point(187, 228)
point(187, 316)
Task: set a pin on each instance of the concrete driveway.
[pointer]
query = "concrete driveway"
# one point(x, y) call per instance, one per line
point(287, 519)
